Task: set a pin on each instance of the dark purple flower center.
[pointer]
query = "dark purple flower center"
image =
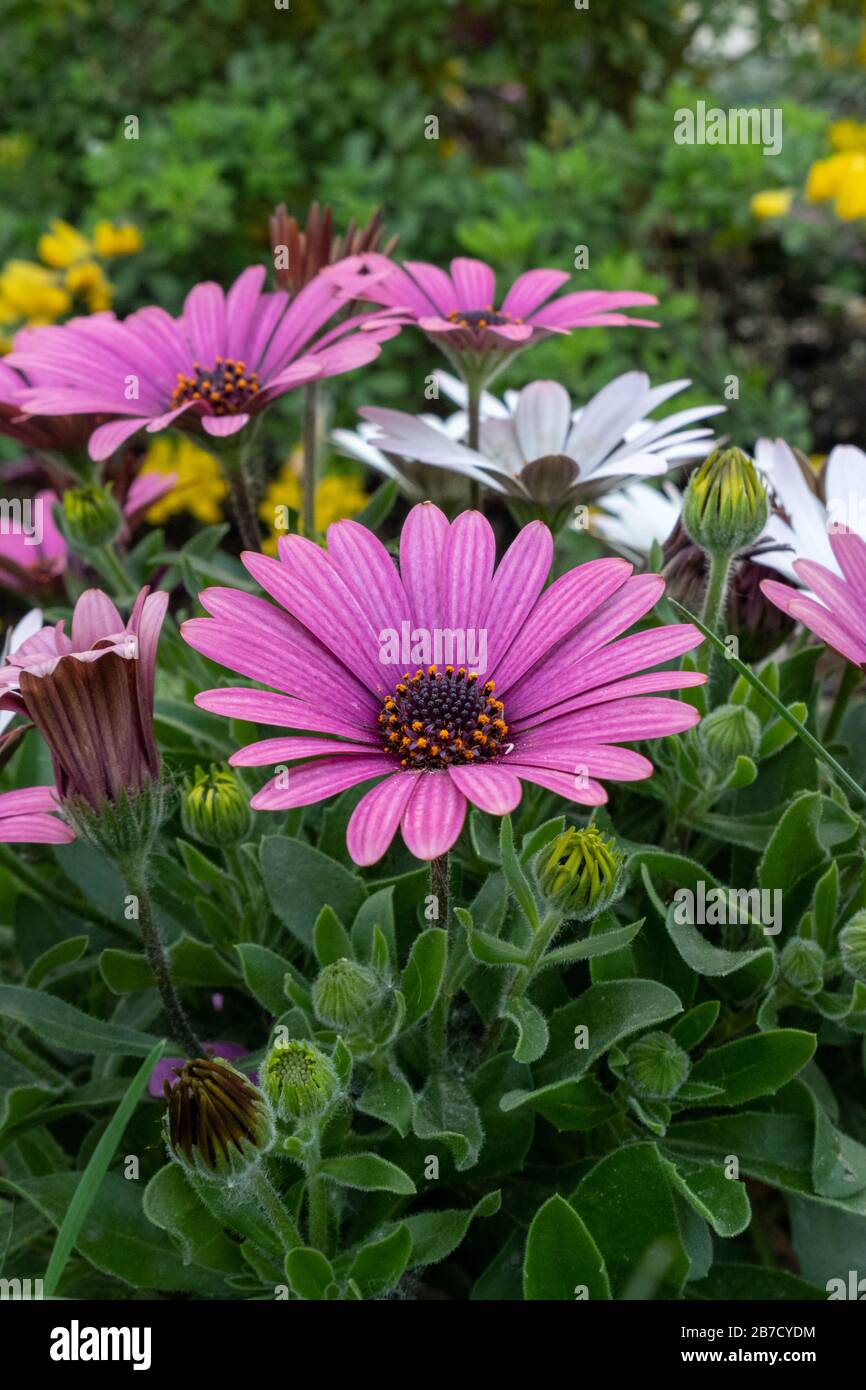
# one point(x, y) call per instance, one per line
point(479, 319)
point(442, 718)
point(226, 387)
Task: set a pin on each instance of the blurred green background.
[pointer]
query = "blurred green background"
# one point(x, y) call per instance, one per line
point(555, 131)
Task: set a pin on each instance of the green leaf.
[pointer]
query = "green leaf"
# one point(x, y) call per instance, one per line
point(62, 953)
point(125, 972)
point(754, 967)
point(172, 1205)
point(300, 881)
point(810, 828)
point(562, 1261)
point(60, 1025)
point(627, 1205)
point(720, 1200)
point(389, 1097)
point(754, 1066)
point(331, 941)
point(437, 1234)
point(739, 1283)
point(309, 1273)
point(514, 875)
point(422, 978)
point(369, 1173)
point(380, 505)
point(265, 974)
point(694, 1026)
point(379, 1266)
point(446, 1111)
point(490, 950)
point(592, 947)
point(532, 1032)
point(97, 1167)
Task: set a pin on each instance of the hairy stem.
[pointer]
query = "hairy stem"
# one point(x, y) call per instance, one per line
point(272, 1205)
point(243, 499)
point(848, 682)
point(437, 1029)
point(713, 610)
point(136, 882)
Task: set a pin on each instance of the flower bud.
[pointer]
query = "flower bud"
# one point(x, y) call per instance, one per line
point(299, 1080)
point(802, 965)
point(725, 506)
point(657, 1066)
point(215, 809)
point(218, 1124)
point(580, 872)
point(344, 994)
point(728, 732)
point(852, 946)
point(92, 516)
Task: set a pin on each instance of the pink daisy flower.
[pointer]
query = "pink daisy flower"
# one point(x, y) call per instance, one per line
point(90, 695)
point(29, 816)
point(837, 613)
point(458, 312)
point(58, 433)
point(212, 369)
point(549, 700)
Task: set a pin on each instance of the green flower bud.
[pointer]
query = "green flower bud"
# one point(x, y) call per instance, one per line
point(657, 1066)
point(580, 872)
point(802, 965)
point(215, 808)
point(344, 994)
point(725, 506)
point(92, 516)
point(299, 1080)
point(727, 732)
point(852, 946)
point(218, 1124)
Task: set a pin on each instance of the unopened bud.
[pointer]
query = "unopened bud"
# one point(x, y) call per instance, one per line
point(725, 506)
point(344, 994)
point(218, 1124)
point(852, 946)
point(92, 516)
point(215, 808)
point(802, 965)
point(580, 872)
point(299, 1080)
point(657, 1066)
point(728, 732)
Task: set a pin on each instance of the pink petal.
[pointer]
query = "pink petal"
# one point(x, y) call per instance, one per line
point(467, 571)
point(374, 821)
point(94, 617)
point(436, 286)
point(531, 289)
point(493, 789)
point(264, 707)
point(316, 781)
point(107, 439)
point(221, 426)
point(204, 321)
point(577, 788)
point(517, 583)
point(287, 750)
point(474, 283)
point(422, 545)
point(433, 817)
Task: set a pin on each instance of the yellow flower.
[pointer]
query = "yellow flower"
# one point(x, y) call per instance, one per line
point(773, 202)
point(28, 291)
point(851, 197)
point(847, 135)
point(200, 489)
point(87, 280)
point(62, 246)
point(110, 240)
point(338, 495)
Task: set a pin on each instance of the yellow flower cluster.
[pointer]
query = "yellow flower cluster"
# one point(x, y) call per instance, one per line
point(773, 202)
point(338, 496)
point(68, 274)
point(200, 488)
point(842, 176)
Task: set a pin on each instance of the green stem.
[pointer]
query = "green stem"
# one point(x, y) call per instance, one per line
point(524, 975)
point(243, 498)
point(272, 1205)
point(43, 888)
point(713, 611)
point(310, 440)
point(848, 683)
point(135, 874)
point(317, 1207)
point(107, 562)
point(437, 1027)
point(802, 732)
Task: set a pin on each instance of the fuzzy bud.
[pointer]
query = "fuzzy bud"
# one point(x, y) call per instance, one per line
point(725, 507)
point(218, 1124)
point(299, 1080)
point(657, 1066)
point(580, 872)
point(92, 516)
point(728, 732)
point(344, 994)
point(802, 965)
point(215, 808)
point(852, 946)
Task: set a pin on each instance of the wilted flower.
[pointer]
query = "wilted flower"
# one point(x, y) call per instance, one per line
point(220, 363)
point(310, 250)
point(168, 1069)
point(553, 697)
point(90, 695)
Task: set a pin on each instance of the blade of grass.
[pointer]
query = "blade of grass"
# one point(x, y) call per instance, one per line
point(800, 729)
point(95, 1171)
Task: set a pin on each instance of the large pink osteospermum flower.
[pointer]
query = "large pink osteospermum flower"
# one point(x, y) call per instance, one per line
point(837, 613)
point(547, 697)
point(29, 816)
point(458, 312)
point(221, 362)
point(90, 695)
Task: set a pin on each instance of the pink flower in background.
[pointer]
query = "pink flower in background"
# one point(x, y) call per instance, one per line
point(90, 695)
point(458, 312)
point(165, 1068)
point(837, 613)
point(226, 358)
point(28, 564)
point(559, 690)
point(29, 816)
point(56, 433)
